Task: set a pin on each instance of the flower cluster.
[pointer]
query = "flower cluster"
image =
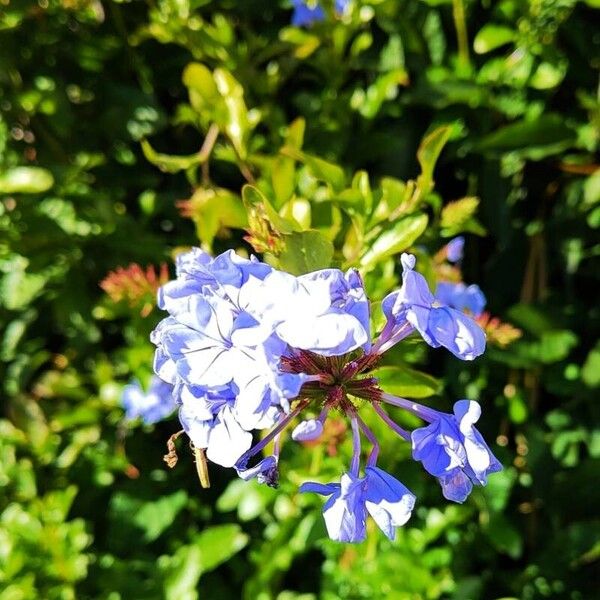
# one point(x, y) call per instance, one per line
point(308, 12)
point(248, 347)
point(135, 285)
point(151, 406)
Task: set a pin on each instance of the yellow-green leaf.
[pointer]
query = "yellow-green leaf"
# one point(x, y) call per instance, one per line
point(306, 251)
point(407, 382)
point(398, 237)
point(25, 180)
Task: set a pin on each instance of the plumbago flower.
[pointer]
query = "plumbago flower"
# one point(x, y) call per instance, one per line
point(151, 406)
point(308, 12)
point(248, 347)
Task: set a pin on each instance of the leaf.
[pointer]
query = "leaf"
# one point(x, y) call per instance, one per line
point(204, 94)
point(385, 88)
point(18, 288)
point(504, 535)
point(392, 193)
point(428, 153)
point(548, 75)
point(321, 169)
point(237, 124)
point(212, 210)
point(306, 251)
point(254, 199)
point(168, 163)
point(209, 549)
point(404, 381)
point(152, 518)
point(492, 36)
point(25, 180)
point(590, 372)
point(546, 130)
point(283, 169)
point(306, 43)
point(218, 544)
point(457, 215)
point(396, 239)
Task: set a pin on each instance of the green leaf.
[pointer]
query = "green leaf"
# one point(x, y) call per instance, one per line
point(321, 169)
point(254, 199)
point(283, 169)
point(492, 36)
point(213, 209)
point(209, 549)
point(218, 544)
point(590, 372)
point(547, 130)
point(237, 124)
point(385, 88)
point(305, 43)
point(404, 381)
point(152, 518)
point(393, 191)
point(504, 535)
point(306, 251)
point(18, 288)
point(399, 237)
point(25, 180)
point(548, 75)
point(168, 163)
point(458, 216)
point(204, 94)
point(428, 153)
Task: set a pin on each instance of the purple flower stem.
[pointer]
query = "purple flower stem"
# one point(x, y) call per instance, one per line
point(243, 460)
point(389, 337)
point(355, 464)
point(424, 412)
point(390, 423)
point(372, 459)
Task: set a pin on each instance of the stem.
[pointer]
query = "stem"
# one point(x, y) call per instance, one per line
point(390, 423)
point(372, 459)
point(424, 412)
point(388, 339)
point(462, 36)
point(206, 150)
point(243, 460)
point(355, 464)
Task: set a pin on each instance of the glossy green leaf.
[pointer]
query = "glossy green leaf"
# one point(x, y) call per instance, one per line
point(399, 237)
point(407, 382)
point(306, 251)
point(168, 163)
point(428, 153)
point(255, 199)
point(492, 36)
point(321, 169)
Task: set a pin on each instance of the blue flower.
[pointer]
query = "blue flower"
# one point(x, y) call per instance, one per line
point(231, 320)
point(340, 7)
point(307, 13)
point(413, 306)
point(452, 450)
point(326, 312)
point(461, 297)
point(151, 406)
point(379, 494)
point(307, 431)
point(454, 249)
point(265, 471)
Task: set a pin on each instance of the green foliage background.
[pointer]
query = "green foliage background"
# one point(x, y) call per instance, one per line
point(104, 108)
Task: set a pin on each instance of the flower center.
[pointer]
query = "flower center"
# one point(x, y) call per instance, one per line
point(338, 377)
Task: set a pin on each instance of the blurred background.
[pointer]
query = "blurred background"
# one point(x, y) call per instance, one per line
point(105, 133)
